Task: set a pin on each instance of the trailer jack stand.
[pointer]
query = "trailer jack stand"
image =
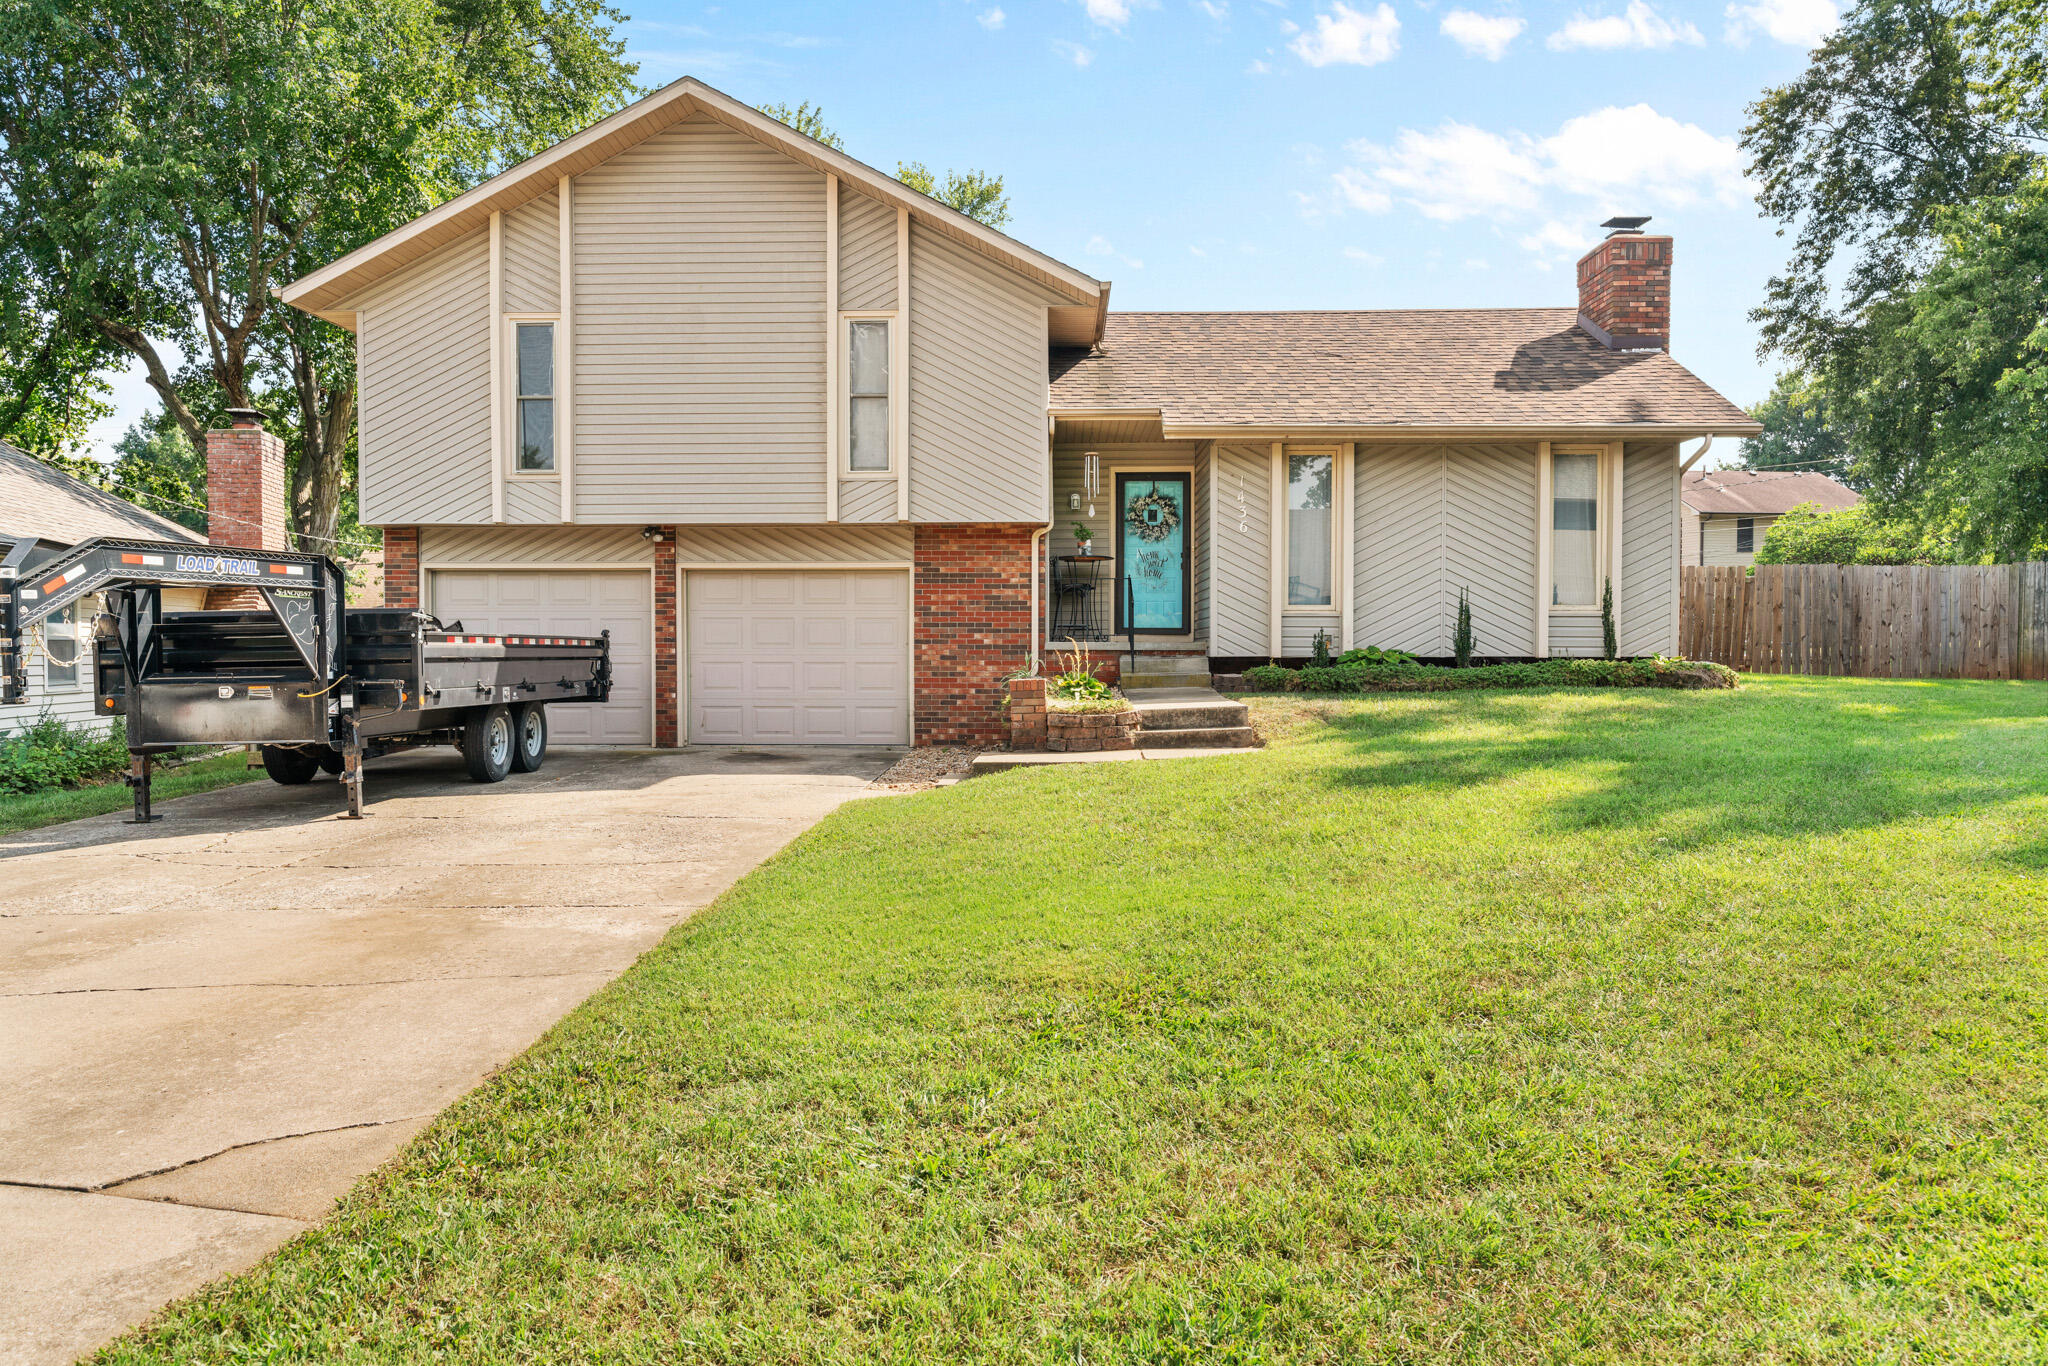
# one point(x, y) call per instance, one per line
point(137, 778)
point(352, 777)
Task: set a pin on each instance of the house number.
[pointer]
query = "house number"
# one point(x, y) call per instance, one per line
point(1244, 512)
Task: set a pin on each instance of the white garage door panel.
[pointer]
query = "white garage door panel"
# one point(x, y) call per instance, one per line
point(811, 657)
point(568, 603)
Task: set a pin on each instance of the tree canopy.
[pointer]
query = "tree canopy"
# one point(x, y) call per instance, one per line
point(1851, 535)
point(977, 194)
point(1797, 433)
point(165, 164)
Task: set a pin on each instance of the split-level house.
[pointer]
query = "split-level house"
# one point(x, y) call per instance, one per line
point(813, 446)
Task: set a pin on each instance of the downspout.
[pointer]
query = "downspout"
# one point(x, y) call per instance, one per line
point(1038, 537)
point(1706, 444)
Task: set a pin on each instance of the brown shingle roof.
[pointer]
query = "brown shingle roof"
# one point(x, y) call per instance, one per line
point(1763, 492)
point(43, 501)
point(1419, 367)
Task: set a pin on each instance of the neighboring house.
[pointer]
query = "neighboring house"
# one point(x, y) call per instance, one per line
point(1727, 512)
point(42, 504)
point(805, 440)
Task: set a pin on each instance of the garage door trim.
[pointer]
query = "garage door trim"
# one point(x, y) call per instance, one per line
point(907, 568)
point(648, 571)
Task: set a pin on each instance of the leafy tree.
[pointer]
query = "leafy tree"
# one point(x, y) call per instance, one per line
point(1851, 535)
point(1797, 434)
point(156, 467)
point(975, 193)
point(166, 164)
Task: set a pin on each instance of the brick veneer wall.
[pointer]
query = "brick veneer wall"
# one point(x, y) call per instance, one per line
point(972, 617)
point(402, 567)
point(1625, 290)
point(665, 606)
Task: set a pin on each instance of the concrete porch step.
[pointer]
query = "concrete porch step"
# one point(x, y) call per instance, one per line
point(1152, 682)
point(1196, 718)
point(1198, 737)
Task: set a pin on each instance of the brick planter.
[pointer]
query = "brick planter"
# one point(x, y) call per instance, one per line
point(1027, 713)
point(1082, 732)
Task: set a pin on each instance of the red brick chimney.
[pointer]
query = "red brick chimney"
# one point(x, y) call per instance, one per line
point(245, 489)
point(1625, 289)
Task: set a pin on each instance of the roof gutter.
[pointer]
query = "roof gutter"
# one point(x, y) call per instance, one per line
point(1705, 445)
point(1410, 431)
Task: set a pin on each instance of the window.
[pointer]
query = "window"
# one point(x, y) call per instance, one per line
point(867, 388)
point(60, 646)
point(1310, 547)
point(1745, 535)
point(1575, 530)
point(534, 358)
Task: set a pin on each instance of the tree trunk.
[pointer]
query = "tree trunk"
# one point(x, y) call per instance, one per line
point(316, 484)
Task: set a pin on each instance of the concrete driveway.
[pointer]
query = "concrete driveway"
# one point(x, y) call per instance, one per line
point(213, 1025)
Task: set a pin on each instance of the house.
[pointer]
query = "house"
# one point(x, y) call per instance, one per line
point(811, 445)
point(1727, 512)
point(45, 508)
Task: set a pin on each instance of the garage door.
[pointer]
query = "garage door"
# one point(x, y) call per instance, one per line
point(813, 657)
point(582, 603)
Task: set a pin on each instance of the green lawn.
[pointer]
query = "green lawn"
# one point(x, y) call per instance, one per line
point(1579, 1026)
point(26, 811)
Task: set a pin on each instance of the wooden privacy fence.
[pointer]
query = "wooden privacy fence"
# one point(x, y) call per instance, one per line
point(1875, 621)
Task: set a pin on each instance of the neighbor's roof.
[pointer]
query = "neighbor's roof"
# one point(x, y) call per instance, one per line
point(326, 291)
point(42, 501)
point(1762, 492)
point(1470, 368)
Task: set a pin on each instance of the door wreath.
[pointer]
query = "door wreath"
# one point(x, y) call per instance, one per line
point(1152, 517)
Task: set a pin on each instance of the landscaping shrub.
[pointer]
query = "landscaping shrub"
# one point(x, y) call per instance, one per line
point(50, 755)
point(1373, 654)
point(1549, 673)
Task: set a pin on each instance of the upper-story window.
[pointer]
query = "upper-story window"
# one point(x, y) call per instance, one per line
point(534, 360)
point(1575, 529)
point(1311, 546)
point(867, 395)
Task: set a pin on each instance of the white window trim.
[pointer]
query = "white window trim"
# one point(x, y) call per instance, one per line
point(510, 351)
point(81, 662)
point(1607, 508)
point(1340, 532)
point(844, 398)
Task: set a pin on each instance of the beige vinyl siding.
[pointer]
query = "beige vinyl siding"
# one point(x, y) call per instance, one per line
point(1718, 532)
point(793, 544)
point(533, 269)
point(699, 261)
point(1298, 632)
point(867, 500)
point(1575, 634)
point(1490, 545)
point(1400, 564)
point(1646, 590)
point(867, 252)
point(533, 500)
point(1690, 552)
point(1241, 609)
point(1198, 543)
point(978, 387)
point(424, 429)
point(533, 547)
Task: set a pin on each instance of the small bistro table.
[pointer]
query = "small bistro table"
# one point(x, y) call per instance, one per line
point(1080, 598)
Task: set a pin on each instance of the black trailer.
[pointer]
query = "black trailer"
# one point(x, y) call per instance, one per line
point(316, 684)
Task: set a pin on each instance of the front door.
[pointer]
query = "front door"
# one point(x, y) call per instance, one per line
point(1152, 553)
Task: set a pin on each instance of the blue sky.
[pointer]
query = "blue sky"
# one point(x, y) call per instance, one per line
point(1235, 154)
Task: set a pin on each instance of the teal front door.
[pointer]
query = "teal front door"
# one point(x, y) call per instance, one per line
point(1152, 553)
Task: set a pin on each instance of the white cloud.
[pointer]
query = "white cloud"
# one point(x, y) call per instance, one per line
point(1482, 35)
point(1800, 23)
point(1113, 14)
point(1350, 36)
point(1219, 10)
point(1098, 245)
point(1363, 257)
point(1613, 160)
point(993, 19)
point(1477, 263)
point(1073, 52)
point(1257, 68)
point(1636, 26)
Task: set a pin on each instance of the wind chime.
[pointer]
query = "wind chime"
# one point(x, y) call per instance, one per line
point(1091, 478)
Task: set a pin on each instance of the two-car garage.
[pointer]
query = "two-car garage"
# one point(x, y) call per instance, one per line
point(810, 656)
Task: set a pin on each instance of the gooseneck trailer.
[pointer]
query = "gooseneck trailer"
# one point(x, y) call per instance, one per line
point(312, 682)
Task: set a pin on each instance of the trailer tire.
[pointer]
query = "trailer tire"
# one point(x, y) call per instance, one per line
point(529, 736)
point(289, 766)
point(488, 743)
point(331, 761)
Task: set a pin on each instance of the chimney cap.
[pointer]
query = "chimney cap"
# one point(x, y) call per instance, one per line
point(245, 417)
point(1622, 224)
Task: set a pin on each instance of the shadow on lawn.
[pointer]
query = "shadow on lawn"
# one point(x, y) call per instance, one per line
point(1813, 757)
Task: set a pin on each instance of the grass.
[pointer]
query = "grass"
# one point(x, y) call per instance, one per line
point(26, 811)
point(1580, 1026)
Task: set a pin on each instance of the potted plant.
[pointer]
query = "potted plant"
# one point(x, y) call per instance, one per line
point(1084, 536)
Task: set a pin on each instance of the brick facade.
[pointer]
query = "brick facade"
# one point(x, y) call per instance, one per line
point(1625, 291)
point(665, 635)
point(402, 567)
point(972, 617)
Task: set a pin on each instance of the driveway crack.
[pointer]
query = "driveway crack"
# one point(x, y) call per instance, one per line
point(119, 1181)
point(308, 986)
